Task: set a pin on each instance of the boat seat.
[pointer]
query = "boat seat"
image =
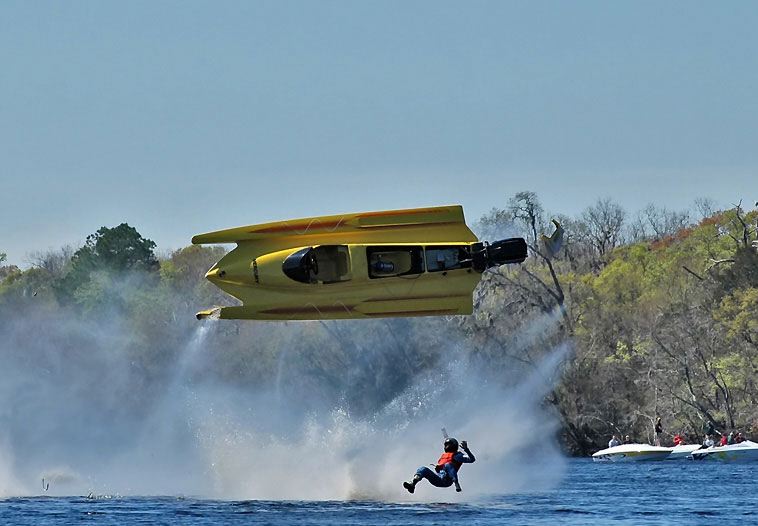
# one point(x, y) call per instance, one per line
point(333, 264)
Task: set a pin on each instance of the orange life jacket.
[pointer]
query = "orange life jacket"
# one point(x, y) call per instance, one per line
point(448, 457)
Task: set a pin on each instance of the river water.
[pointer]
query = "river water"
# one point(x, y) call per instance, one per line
point(587, 493)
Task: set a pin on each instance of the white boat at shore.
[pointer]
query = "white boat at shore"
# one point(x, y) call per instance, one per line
point(683, 451)
point(743, 452)
point(632, 453)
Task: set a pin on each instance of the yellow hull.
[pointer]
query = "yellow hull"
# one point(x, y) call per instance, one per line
point(366, 265)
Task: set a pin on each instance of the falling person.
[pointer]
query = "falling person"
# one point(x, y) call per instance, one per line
point(445, 472)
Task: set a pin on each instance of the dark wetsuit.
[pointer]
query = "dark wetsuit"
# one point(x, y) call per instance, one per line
point(447, 474)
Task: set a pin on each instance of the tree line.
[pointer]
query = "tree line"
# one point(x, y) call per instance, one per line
point(660, 309)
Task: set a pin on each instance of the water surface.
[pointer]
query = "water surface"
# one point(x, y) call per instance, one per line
point(589, 493)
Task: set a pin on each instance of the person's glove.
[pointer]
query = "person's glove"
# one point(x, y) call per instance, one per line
point(464, 444)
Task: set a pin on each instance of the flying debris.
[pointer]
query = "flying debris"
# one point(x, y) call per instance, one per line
point(552, 244)
point(415, 262)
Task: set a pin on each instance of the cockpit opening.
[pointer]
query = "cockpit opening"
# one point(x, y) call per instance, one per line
point(322, 264)
point(391, 261)
point(440, 258)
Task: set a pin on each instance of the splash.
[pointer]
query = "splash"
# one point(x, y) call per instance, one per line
point(165, 438)
point(336, 456)
point(10, 486)
point(90, 423)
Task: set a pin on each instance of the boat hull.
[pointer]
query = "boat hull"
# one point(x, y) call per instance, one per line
point(744, 452)
point(632, 453)
point(683, 452)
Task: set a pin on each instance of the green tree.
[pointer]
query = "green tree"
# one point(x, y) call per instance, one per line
point(117, 249)
point(109, 250)
point(6, 271)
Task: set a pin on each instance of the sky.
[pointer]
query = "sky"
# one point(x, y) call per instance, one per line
point(186, 117)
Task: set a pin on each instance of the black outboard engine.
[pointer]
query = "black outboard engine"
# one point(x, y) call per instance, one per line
point(503, 252)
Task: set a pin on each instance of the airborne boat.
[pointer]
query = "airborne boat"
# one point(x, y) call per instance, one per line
point(413, 262)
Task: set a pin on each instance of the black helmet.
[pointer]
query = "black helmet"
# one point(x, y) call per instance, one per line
point(451, 445)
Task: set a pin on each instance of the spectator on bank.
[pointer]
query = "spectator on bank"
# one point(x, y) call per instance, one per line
point(614, 441)
point(709, 428)
point(658, 431)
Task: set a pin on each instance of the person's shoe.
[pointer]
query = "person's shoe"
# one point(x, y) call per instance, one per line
point(409, 486)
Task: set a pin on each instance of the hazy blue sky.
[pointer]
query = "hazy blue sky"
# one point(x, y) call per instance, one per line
point(186, 117)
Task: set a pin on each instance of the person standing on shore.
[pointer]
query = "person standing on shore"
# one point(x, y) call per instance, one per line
point(658, 431)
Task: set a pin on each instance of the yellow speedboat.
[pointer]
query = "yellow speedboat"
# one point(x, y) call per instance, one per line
point(415, 262)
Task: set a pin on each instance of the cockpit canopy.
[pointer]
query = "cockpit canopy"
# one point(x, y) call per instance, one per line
point(325, 263)
point(331, 263)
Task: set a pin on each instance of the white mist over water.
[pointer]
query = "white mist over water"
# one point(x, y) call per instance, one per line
point(202, 437)
point(9, 484)
point(336, 457)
